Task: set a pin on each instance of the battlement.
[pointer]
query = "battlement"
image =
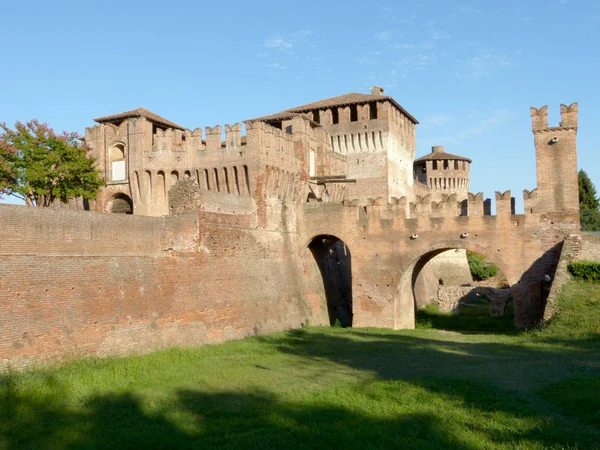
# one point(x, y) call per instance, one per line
point(450, 206)
point(259, 134)
point(568, 114)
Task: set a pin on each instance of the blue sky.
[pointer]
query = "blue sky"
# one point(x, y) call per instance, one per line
point(468, 71)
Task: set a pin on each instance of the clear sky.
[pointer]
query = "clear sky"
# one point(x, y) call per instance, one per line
point(467, 70)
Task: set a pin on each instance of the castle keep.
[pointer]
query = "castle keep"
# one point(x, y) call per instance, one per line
point(317, 213)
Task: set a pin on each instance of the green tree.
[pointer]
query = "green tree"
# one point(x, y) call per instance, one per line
point(39, 166)
point(589, 205)
point(479, 267)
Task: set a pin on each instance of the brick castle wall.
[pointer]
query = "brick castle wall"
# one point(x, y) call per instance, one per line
point(76, 284)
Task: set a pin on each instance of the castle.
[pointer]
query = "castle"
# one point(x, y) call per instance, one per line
point(354, 146)
point(318, 213)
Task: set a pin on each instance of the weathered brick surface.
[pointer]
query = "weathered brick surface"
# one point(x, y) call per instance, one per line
point(96, 284)
point(235, 261)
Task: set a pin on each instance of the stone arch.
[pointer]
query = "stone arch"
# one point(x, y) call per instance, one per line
point(120, 204)
point(334, 260)
point(404, 298)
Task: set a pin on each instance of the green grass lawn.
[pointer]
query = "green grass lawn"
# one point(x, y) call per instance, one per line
point(328, 388)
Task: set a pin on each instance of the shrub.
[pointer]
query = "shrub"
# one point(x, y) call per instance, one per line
point(585, 270)
point(480, 268)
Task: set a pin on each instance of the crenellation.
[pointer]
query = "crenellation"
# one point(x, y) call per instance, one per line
point(475, 204)
point(213, 138)
point(568, 115)
point(505, 203)
point(530, 201)
point(539, 118)
point(233, 136)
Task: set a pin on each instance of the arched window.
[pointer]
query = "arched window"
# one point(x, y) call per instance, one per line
point(118, 169)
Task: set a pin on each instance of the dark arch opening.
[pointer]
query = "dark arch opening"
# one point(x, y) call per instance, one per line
point(121, 204)
point(333, 257)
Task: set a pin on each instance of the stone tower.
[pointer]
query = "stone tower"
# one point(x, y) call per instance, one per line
point(556, 160)
point(372, 132)
point(440, 173)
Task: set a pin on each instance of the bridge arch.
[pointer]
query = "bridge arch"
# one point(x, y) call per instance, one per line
point(334, 260)
point(404, 297)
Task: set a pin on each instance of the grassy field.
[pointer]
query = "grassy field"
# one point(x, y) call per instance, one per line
point(329, 388)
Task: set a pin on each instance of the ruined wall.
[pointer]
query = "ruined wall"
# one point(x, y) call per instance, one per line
point(77, 283)
point(590, 246)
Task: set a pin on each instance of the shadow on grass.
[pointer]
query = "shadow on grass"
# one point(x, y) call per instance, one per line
point(426, 393)
point(260, 420)
point(469, 321)
point(391, 390)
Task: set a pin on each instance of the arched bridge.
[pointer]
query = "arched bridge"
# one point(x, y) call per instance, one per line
point(388, 250)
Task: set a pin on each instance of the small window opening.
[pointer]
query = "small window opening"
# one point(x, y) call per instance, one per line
point(446, 166)
point(317, 116)
point(434, 165)
point(353, 113)
point(373, 111)
point(335, 117)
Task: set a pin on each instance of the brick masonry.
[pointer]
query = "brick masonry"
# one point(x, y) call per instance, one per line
point(235, 261)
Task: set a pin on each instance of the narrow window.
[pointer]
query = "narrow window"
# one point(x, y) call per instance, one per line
point(317, 116)
point(446, 164)
point(434, 165)
point(373, 111)
point(335, 117)
point(353, 113)
point(456, 165)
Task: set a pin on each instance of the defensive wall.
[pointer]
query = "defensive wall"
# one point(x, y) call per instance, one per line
point(83, 283)
point(224, 265)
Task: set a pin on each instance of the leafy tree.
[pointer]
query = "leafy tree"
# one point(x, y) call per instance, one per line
point(480, 268)
point(39, 166)
point(589, 205)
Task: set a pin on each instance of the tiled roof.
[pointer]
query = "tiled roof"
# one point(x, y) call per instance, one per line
point(283, 115)
point(139, 112)
point(441, 155)
point(351, 99)
point(341, 100)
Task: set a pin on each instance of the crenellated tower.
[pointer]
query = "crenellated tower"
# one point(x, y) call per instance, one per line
point(556, 161)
